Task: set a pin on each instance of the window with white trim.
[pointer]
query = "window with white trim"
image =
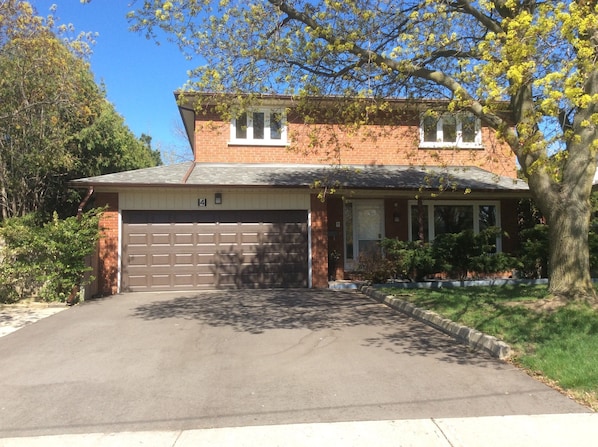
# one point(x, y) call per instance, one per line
point(450, 130)
point(262, 126)
point(432, 218)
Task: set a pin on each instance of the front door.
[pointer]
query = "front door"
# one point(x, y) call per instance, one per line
point(364, 224)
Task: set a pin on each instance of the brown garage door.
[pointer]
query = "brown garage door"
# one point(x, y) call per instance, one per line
point(169, 250)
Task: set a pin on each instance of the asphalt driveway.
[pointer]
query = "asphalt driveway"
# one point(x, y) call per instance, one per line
point(175, 361)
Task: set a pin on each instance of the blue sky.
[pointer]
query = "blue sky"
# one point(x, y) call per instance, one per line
point(139, 76)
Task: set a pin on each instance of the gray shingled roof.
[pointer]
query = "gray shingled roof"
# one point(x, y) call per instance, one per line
point(294, 176)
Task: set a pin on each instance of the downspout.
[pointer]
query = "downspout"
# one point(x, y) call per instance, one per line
point(75, 290)
point(188, 173)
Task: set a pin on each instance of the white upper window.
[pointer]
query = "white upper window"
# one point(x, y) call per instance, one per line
point(259, 127)
point(450, 130)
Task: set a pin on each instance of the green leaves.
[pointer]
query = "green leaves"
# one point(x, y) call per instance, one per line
point(55, 122)
point(107, 145)
point(460, 254)
point(46, 95)
point(46, 261)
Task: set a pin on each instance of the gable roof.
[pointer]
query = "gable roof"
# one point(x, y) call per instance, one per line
point(304, 176)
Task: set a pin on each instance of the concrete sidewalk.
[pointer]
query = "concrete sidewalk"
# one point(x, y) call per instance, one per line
point(570, 430)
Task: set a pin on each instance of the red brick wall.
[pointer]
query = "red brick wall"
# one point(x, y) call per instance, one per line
point(108, 244)
point(368, 145)
point(319, 243)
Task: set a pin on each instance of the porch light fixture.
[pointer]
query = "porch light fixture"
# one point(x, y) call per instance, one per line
point(218, 198)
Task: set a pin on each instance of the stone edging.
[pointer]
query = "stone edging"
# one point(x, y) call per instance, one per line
point(471, 337)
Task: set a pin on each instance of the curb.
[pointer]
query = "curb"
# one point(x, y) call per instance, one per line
point(473, 338)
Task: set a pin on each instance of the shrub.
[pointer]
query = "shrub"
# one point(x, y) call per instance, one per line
point(464, 253)
point(456, 254)
point(46, 259)
point(412, 260)
point(376, 268)
point(533, 256)
point(451, 251)
point(486, 260)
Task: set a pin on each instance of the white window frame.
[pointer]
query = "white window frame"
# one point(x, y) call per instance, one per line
point(440, 143)
point(267, 140)
point(476, 212)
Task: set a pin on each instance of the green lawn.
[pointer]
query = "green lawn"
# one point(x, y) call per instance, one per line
point(559, 345)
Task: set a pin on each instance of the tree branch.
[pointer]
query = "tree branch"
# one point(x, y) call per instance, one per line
point(486, 21)
point(438, 77)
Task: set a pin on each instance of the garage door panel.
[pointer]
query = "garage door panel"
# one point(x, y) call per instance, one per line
point(184, 239)
point(138, 259)
point(160, 280)
point(228, 238)
point(250, 238)
point(184, 259)
point(202, 259)
point(186, 250)
point(160, 239)
point(205, 249)
point(207, 239)
point(161, 260)
point(136, 282)
point(186, 280)
point(138, 239)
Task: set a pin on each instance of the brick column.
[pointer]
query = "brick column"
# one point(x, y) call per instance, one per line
point(319, 243)
point(108, 244)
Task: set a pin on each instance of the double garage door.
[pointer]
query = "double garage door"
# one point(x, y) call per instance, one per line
point(170, 250)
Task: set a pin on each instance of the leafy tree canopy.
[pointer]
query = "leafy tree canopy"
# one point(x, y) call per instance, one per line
point(55, 122)
point(538, 57)
point(108, 145)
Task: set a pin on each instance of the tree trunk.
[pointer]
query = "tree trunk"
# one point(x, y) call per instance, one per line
point(569, 257)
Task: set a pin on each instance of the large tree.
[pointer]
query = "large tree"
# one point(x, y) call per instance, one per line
point(538, 57)
point(107, 145)
point(46, 95)
point(55, 122)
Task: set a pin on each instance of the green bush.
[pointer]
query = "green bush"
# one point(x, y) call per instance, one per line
point(46, 260)
point(376, 268)
point(459, 255)
point(451, 252)
point(412, 260)
point(533, 257)
point(465, 253)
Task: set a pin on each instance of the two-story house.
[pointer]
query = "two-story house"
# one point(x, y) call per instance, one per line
point(271, 195)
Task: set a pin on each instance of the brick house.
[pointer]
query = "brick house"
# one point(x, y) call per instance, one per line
point(268, 197)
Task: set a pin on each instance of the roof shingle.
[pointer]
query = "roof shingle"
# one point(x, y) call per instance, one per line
point(297, 176)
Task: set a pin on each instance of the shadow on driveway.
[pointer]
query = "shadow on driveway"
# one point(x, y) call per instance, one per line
point(258, 311)
point(179, 361)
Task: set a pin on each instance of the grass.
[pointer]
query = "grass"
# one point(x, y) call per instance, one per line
point(558, 345)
